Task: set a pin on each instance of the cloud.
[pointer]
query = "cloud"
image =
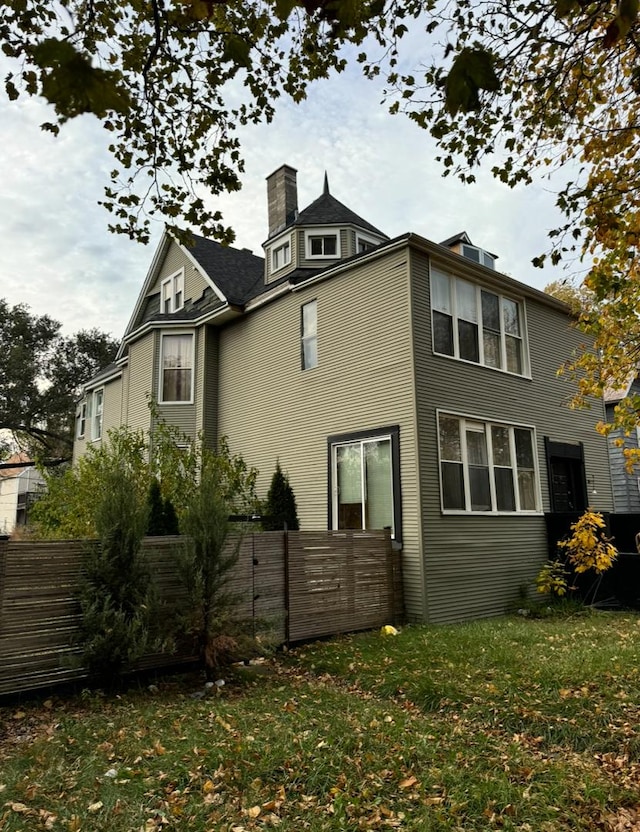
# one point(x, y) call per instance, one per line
point(59, 258)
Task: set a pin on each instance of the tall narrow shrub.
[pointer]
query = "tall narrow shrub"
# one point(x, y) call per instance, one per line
point(205, 562)
point(280, 508)
point(115, 596)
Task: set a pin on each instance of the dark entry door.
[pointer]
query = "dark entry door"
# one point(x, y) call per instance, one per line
point(568, 487)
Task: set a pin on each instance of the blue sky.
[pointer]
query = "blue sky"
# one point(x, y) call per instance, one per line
point(59, 258)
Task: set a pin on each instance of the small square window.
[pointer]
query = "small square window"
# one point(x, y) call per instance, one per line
point(322, 243)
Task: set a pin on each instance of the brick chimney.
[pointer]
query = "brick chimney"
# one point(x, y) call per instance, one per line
point(282, 198)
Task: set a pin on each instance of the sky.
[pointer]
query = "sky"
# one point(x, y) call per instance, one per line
point(59, 258)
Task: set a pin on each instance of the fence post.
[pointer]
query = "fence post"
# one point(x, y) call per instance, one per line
point(4, 546)
point(285, 546)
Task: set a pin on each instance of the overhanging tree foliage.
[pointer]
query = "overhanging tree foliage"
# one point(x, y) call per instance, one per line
point(518, 86)
point(42, 372)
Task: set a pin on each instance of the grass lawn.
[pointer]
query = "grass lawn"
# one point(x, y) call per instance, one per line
point(510, 724)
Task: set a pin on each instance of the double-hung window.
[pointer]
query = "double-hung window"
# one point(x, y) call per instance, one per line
point(173, 293)
point(364, 477)
point(96, 414)
point(281, 256)
point(82, 420)
point(486, 467)
point(176, 368)
point(474, 324)
point(309, 335)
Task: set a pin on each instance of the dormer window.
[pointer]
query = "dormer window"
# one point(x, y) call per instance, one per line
point(281, 256)
point(365, 243)
point(479, 255)
point(173, 293)
point(321, 243)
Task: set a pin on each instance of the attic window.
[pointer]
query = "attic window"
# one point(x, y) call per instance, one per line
point(479, 255)
point(322, 242)
point(365, 243)
point(173, 293)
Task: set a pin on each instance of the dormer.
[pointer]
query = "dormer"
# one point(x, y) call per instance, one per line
point(462, 245)
point(323, 233)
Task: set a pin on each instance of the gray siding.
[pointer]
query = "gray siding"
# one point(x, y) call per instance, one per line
point(112, 407)
point(175, 259)
point(141, 381)
point(209, 423)
point(626, 486)
point(475, 564)
point(293, 238)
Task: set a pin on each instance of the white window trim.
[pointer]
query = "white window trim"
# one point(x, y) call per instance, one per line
point(175, 282)
point(82, 421)
point(304, 339)
point(526, 367)
point(281, 244)
point(366, 238)
point(95, 414)
point(488, 423)
point(168, 334)
point(320, 231)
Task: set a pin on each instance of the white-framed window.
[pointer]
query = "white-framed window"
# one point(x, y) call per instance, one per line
point(322, 243)
point(478, 255)
point(281, 256)
point(173, 293)
point(176, 368)
point(364, 243)
point(82, 421)
point(309, 335)
point(487, 466)
point(475, 324)
point(364, 481)
point(96, 414)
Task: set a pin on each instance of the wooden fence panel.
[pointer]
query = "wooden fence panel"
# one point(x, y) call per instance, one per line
point(337, 582)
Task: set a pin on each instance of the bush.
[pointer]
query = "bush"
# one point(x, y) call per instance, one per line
point(280, 508)
point(116, 598)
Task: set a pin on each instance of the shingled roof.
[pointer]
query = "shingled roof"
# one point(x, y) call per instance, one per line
point(327, 210)
point(238, 273)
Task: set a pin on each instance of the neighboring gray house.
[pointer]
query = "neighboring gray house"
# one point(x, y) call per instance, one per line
point(400, 383)
point(20, 486)
point(626, 486)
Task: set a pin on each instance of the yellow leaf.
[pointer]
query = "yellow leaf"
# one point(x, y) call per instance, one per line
point(95, 807)
point(253, 812)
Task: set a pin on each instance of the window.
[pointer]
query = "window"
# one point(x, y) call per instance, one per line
point(322, 242)
point(281, 256)
point(176, 362)
point(486, 467)
point(476, 325)
point(173, 293)
point(96, 414)
point(309, 335)
point(365, 243)
point(82, 420)
point(364, 479)
point(479, 255)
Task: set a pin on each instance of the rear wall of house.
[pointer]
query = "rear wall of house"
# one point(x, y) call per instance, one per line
point(273, 410)
point(475, 564)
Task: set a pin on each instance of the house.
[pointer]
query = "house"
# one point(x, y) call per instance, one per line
point(626, 484)
point(20, 484)
point(401, 383)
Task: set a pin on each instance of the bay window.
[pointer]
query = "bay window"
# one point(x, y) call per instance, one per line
point(176, 368)
point(486, 467)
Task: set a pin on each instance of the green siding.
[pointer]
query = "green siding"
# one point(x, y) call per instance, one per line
point(209, 398)
point(141, 381)
point(175, 259)
point(270, 409)
point(475, 564)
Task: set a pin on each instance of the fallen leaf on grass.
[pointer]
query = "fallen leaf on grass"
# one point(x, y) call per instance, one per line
point(408, 782)
point(95, 807)
point(19, 808)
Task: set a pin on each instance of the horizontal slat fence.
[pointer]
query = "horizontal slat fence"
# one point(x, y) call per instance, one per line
point(341, 581)
point(288, 587)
